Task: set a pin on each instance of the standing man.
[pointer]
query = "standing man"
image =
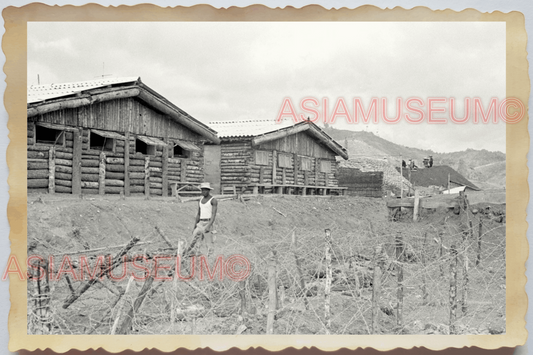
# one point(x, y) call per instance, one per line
point(207, 211)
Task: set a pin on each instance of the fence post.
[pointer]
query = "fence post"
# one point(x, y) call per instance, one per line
point(301, 285)
point(376, 289)
point(453, 287)
point(465, 274)
point(174, 298)
point(424, 270)
point(42, 301)
point(478, 260)
point(399, 271)
point(272, 296)
point(416, 205)
point(329, 276)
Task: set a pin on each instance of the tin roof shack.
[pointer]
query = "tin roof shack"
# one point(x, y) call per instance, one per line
point(439, 176)
point(262, 156)
point(110, 136)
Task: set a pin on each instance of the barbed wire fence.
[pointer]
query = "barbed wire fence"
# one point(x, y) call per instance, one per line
point(416, 280)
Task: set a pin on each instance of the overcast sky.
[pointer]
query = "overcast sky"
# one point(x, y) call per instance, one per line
point(244, 70)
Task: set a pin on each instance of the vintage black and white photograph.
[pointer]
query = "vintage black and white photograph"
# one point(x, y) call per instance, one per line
point(239, 178)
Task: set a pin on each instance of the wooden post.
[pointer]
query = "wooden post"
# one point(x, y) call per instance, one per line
point(448, 183)
point(164, 168)
point(416, 206)
point(478, 259)
point(329, 277)
point(401, 177)
point(376, 289)
point(101, 174)
point(283, 176)
point(120, 307)
point(127, 165)
point(272, 296)
point(424, 268)
point(274, 165)
point(183, 170)
point(52, 170)
point(295, 168)
point(301, 285)
point(306, 177)
point(174, 298)
point(116, 261)
point(465, 273)
point(261, 174)
point(317, 170)
point(42, 301)
point(399, 293)
point(76, 162)
point(453, 288)
point(147, 176)
point(125, 327)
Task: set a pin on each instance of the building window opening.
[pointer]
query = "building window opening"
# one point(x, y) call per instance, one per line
point(49, 135)
point(101, 143)
point(143, 148)
point(179, 152)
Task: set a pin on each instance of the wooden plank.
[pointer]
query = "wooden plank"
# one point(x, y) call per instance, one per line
point(111, 182)
point(37, 165)
point(164, 168)
point(51, 170)
point(35, 183)
point(38, 174)
point(127, 191)
point(183, 173)
point(147, 176)
point(416, 205)
point(76, 162)
point(101, 175)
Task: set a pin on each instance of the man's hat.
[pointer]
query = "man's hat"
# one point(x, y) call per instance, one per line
point(205, 185)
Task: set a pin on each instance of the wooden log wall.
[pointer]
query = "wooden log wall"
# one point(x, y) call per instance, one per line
point(238, 167)
point(105, 172)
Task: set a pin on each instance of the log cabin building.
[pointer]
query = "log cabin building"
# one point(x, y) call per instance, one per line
point(111, 136)
point(260, 156)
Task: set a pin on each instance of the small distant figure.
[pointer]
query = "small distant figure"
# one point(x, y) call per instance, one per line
point(411, 164)
point(430, 161)
point(404, 164)
point(426, 162)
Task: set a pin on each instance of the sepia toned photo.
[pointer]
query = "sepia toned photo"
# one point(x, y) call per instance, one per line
point(256, 178)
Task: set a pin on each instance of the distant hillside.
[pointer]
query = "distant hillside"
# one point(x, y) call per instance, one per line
point(484, 168)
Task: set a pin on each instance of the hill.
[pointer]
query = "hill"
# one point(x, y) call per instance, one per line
point(484, 168)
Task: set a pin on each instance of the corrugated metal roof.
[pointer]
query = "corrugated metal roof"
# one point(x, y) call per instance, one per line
point(38, 93)
point(247, 128)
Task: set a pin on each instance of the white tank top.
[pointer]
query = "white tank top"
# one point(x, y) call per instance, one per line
point(206, 209)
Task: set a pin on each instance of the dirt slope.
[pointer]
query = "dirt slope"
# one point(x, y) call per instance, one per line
point(60, 224)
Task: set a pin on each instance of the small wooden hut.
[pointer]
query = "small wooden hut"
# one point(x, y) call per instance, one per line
point(111, 136)
point(260, 156)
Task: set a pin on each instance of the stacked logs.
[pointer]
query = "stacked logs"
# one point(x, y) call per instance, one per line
point(62, 171)
point(156, 175)
point(234, 162)
point(90, 172)
point(136, 174)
